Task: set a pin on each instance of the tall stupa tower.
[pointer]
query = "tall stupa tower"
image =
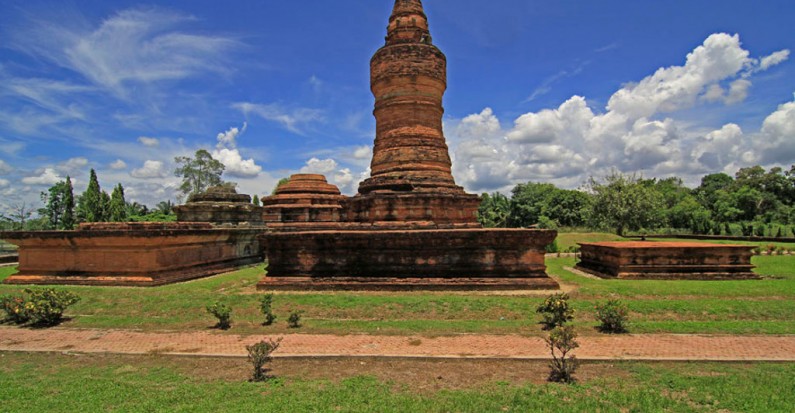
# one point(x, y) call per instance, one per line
point(411, 177)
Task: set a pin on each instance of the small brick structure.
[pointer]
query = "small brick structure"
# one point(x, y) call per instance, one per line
point(303, 198)
point(220, 205)
point(131, 254)
point(666, 260)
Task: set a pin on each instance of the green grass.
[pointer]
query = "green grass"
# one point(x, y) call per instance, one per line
point(567, 240)
point(764, 306)
point(59, 383)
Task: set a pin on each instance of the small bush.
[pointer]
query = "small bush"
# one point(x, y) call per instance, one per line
point(613, 316)
point(561, 341)
point(223, 313)
point(46, 307)
point(294, 321)
point(555, 311)
point(265, 307)
point(259, 354)
point(14, 308)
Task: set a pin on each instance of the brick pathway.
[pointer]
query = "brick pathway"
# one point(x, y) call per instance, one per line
point(202, 343)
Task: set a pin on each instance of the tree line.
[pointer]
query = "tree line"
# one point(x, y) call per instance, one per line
point(754, 202)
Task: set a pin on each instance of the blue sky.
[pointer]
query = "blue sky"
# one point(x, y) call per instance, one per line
point(552, 91)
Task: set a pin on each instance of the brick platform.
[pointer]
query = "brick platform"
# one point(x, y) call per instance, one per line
point(131, 254)
point(666, 260)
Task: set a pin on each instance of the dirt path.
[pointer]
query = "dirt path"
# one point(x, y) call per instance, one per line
point(204, 343)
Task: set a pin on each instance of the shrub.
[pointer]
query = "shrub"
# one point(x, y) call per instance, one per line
point(41, 308)
point(259, 354)
point(613, 316)
point(770, 248)
point(265, 307)
point(294, 321)
point(561, 341)
point(555, 311)
point(552, 248)
point(14, 308)
point(223, 313)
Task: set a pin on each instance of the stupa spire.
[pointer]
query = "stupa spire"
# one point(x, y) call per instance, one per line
point(408, 23)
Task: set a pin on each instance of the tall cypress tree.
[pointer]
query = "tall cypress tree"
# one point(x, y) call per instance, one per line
point(89, 206)
point(68, 219)
point(117, 208)
point(255, 200)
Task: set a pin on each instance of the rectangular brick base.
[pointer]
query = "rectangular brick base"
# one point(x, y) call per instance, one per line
point(666, 260)
point(460, 259)
point(131, 254)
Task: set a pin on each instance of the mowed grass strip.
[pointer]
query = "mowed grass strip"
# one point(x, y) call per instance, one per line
point(57, 383)
point(731, 307)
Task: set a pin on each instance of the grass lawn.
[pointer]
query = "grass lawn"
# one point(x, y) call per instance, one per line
point(58, 383)
point(734, 307)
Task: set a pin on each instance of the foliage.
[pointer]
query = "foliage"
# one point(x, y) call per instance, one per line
point(165, 207)
point(259, 354)
point(555, 311)
point(534, 203)
point(59, 209)
point(561, 341)
point(624, 202)
point(14, 308)
point(223, 313)
point(117, 209)
point(198, 173)
point(294, 320)
point(41, 308)
point(89, 204)
point(255, 200)
point(279, 184)
point(494, 210)
point(265, 307)
point(612, 315)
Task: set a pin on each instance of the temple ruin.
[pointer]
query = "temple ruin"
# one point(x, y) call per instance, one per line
point(409, 227)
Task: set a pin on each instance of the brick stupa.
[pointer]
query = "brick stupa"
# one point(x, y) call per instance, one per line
point(411, 175)
point(410, 226)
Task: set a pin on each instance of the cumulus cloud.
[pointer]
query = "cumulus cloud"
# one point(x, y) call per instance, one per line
point(319, 166)
point(149, 142)
point(118, 164)
point(45, 177)
point(227, 153)
point(4, 183)
point(566, 144)
point(72, 165)
point(363, 152)
point(150, 170)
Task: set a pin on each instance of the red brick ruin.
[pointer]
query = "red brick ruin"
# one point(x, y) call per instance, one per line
point(666, 260)
point(410, 226)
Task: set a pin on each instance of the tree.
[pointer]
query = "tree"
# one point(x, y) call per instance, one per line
point(104, 202)
point(89, 204)
point(255, 200)
point(165, 207)
point(279, 184)
point(622, 202)
point(529, 203)
point(117, 209)
point(494, 210)
point(568, 208)
point(59, 205)
point(18, 215)
point(198, 173)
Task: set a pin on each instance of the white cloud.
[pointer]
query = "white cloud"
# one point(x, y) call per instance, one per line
point(291, 119)
point(227, 153)
point(45, 177)
point(4, 183)
point(118, 164)
point(318, 166)
point(149, 142)
point(564, 145)
point(773, 59)
point(5, 168)
point(363, 152)
point(134, 46)
point(72, 165)
point(150, 170)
